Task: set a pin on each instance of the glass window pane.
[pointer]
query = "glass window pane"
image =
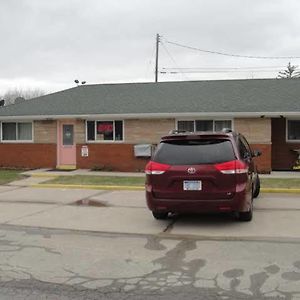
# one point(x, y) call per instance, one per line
point(68, 134)
point(220, 125)
point(119, 130)
point(294, 129)
point(243, 150)
point(105, 130)
point(25, 131)
point(194, 152)
point(9, 132)
point(90, 130)
point(204, 125)
point(185, 126)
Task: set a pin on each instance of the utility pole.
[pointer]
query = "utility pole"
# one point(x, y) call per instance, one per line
point(156, 57)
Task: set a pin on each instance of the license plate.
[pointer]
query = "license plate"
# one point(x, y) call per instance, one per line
point(192, 185)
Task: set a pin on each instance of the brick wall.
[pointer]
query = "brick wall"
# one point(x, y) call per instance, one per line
point(119, 157)
point(140, 131)
point(79, 131)
point(258, 133)
point(45, 131)
point(282, 156)
point(14, 155)
point(256, 130)
point(263, 162)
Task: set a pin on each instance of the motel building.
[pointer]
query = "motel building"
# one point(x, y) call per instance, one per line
point(116, 126)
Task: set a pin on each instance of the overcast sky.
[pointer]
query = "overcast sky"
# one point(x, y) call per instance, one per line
point(48, 44)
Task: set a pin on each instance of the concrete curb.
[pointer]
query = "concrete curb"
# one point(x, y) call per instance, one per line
point(89, 187)
point(139, 188)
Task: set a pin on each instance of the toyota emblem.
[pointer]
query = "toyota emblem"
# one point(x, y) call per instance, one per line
point(191, 170)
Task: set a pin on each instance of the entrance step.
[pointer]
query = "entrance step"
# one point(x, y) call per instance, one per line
point(66, 167)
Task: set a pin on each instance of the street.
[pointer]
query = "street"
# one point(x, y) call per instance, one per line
point(53, 247)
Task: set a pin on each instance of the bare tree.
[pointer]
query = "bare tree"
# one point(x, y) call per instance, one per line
point(290, 72)
point(11, 95)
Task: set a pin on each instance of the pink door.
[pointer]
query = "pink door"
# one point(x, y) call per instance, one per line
point(66, 148)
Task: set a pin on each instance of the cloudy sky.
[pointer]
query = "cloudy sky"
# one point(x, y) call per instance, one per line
point(48, 44)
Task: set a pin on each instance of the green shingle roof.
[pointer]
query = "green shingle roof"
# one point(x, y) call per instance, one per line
point(221, 96)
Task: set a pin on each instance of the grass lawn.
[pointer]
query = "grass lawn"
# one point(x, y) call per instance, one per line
point(98, 180)
point(139, 181)
point(7, 176)
point(288, 183)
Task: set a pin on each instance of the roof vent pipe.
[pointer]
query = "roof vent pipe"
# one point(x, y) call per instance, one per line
point(19, 100)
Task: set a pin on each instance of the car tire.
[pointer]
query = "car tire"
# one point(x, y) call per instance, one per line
point(160, 215)
point(257, 188)
point(246, 216)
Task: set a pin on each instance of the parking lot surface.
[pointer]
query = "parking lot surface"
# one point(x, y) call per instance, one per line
point(91, 244)
point(276, 215)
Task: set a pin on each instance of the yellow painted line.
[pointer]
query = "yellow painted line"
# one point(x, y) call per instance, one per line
point(88, 187)
point(280, 190)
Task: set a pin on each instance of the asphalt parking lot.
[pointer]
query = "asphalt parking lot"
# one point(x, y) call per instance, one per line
point(55, 245)
point(276, 215)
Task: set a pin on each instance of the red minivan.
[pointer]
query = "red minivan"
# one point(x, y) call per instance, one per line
point(202, 172)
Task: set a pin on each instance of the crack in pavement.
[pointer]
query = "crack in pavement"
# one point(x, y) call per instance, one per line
point(176, 270)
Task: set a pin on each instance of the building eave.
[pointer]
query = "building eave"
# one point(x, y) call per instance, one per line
point(156, 115)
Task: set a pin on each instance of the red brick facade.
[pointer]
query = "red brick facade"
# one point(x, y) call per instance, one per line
point(118, 157)
point(283, 158)
point(27, 155)
point(264, 161)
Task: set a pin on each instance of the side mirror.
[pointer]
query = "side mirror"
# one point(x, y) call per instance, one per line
point(256, 153)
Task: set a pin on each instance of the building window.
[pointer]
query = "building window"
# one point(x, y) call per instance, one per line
point(104, 130)
point(204, 125)
point(293, 130)
point(16, 131)
point(185, 125)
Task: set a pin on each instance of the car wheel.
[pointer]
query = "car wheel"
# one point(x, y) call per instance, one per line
point(160, 215)
point(257, 188)
point(246, 216)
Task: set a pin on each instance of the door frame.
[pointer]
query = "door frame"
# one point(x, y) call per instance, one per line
point(59, 143)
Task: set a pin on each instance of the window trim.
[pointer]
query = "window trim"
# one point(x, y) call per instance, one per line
point(287, 131)
point(104, 141)
point(205, 119)
point(16, 141)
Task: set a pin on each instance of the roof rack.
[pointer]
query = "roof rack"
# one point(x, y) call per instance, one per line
point(177, 131)
point(227, 130)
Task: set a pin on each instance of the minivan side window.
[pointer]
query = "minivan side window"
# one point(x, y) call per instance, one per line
point(244, 149)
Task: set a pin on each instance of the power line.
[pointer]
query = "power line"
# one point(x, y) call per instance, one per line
point(225, 68)
point(215, 71)
point(229, 54)
point(150, 61)
point(174, 61)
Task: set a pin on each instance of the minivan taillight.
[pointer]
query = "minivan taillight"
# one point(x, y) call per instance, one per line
point(155, 168)
point(232, 167)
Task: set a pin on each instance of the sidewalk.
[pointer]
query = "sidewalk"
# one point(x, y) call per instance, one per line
point(51, 173)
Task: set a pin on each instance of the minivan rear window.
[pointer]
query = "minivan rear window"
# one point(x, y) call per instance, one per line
point(194, 152)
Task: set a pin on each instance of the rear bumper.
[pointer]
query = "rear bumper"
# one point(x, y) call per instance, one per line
point(240, 202)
